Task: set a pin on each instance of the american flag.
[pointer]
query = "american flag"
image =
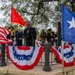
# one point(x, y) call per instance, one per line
point(3, 36)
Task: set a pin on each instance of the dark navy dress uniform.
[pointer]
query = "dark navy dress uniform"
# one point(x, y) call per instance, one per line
point(19, 38)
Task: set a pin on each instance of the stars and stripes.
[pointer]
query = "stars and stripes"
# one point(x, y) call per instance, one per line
point(3, 36)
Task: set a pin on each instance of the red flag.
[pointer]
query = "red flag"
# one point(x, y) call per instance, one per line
point(16, 18)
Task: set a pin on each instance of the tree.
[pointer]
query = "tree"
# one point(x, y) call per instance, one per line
point(36, 11)
point(39, 12)
point(70, 4)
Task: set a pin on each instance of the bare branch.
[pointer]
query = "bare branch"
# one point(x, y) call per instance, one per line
point(72, 4)
point(40, 5)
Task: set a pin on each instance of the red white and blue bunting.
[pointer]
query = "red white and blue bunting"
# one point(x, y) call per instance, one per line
point(24, 57)
point(69, 54)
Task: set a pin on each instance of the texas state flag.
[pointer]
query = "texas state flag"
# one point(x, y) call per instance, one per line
point(68, 25)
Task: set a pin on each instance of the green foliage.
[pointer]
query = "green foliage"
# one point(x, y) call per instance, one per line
point(48, 13)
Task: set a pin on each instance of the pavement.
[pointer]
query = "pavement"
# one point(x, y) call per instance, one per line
point(37, 70)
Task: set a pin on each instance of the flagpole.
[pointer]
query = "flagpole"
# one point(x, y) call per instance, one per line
point(62, 44)
point(63, 57)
